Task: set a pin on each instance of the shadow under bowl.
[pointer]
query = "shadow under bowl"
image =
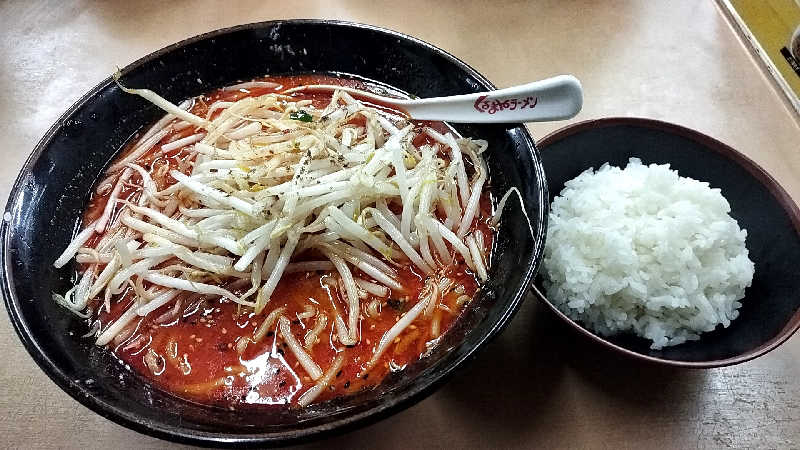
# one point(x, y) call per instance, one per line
point(770, 311)
point(52, 190)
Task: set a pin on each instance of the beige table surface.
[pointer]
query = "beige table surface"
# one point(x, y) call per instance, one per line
point(537, 384)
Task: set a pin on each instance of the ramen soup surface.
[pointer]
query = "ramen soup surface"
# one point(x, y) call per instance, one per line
point(328, 304)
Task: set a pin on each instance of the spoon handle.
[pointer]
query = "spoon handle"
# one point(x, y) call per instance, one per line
point(556, 98)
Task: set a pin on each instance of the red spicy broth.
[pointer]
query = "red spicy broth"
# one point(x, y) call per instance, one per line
point(194, 347)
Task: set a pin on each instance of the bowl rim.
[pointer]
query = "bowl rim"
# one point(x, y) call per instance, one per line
point(382, 410)
point(777, 191)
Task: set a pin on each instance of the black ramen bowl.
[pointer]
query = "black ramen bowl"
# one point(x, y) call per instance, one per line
point(51, 192)
point(770, 310)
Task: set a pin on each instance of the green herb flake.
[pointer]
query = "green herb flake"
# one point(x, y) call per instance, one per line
point(301, 115)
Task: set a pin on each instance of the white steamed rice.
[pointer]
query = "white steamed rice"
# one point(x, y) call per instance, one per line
point(644, 250)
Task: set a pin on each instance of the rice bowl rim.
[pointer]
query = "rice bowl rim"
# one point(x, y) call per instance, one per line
point(762, 176)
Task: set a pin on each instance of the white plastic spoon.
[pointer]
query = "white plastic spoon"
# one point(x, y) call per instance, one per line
point(556, 98)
